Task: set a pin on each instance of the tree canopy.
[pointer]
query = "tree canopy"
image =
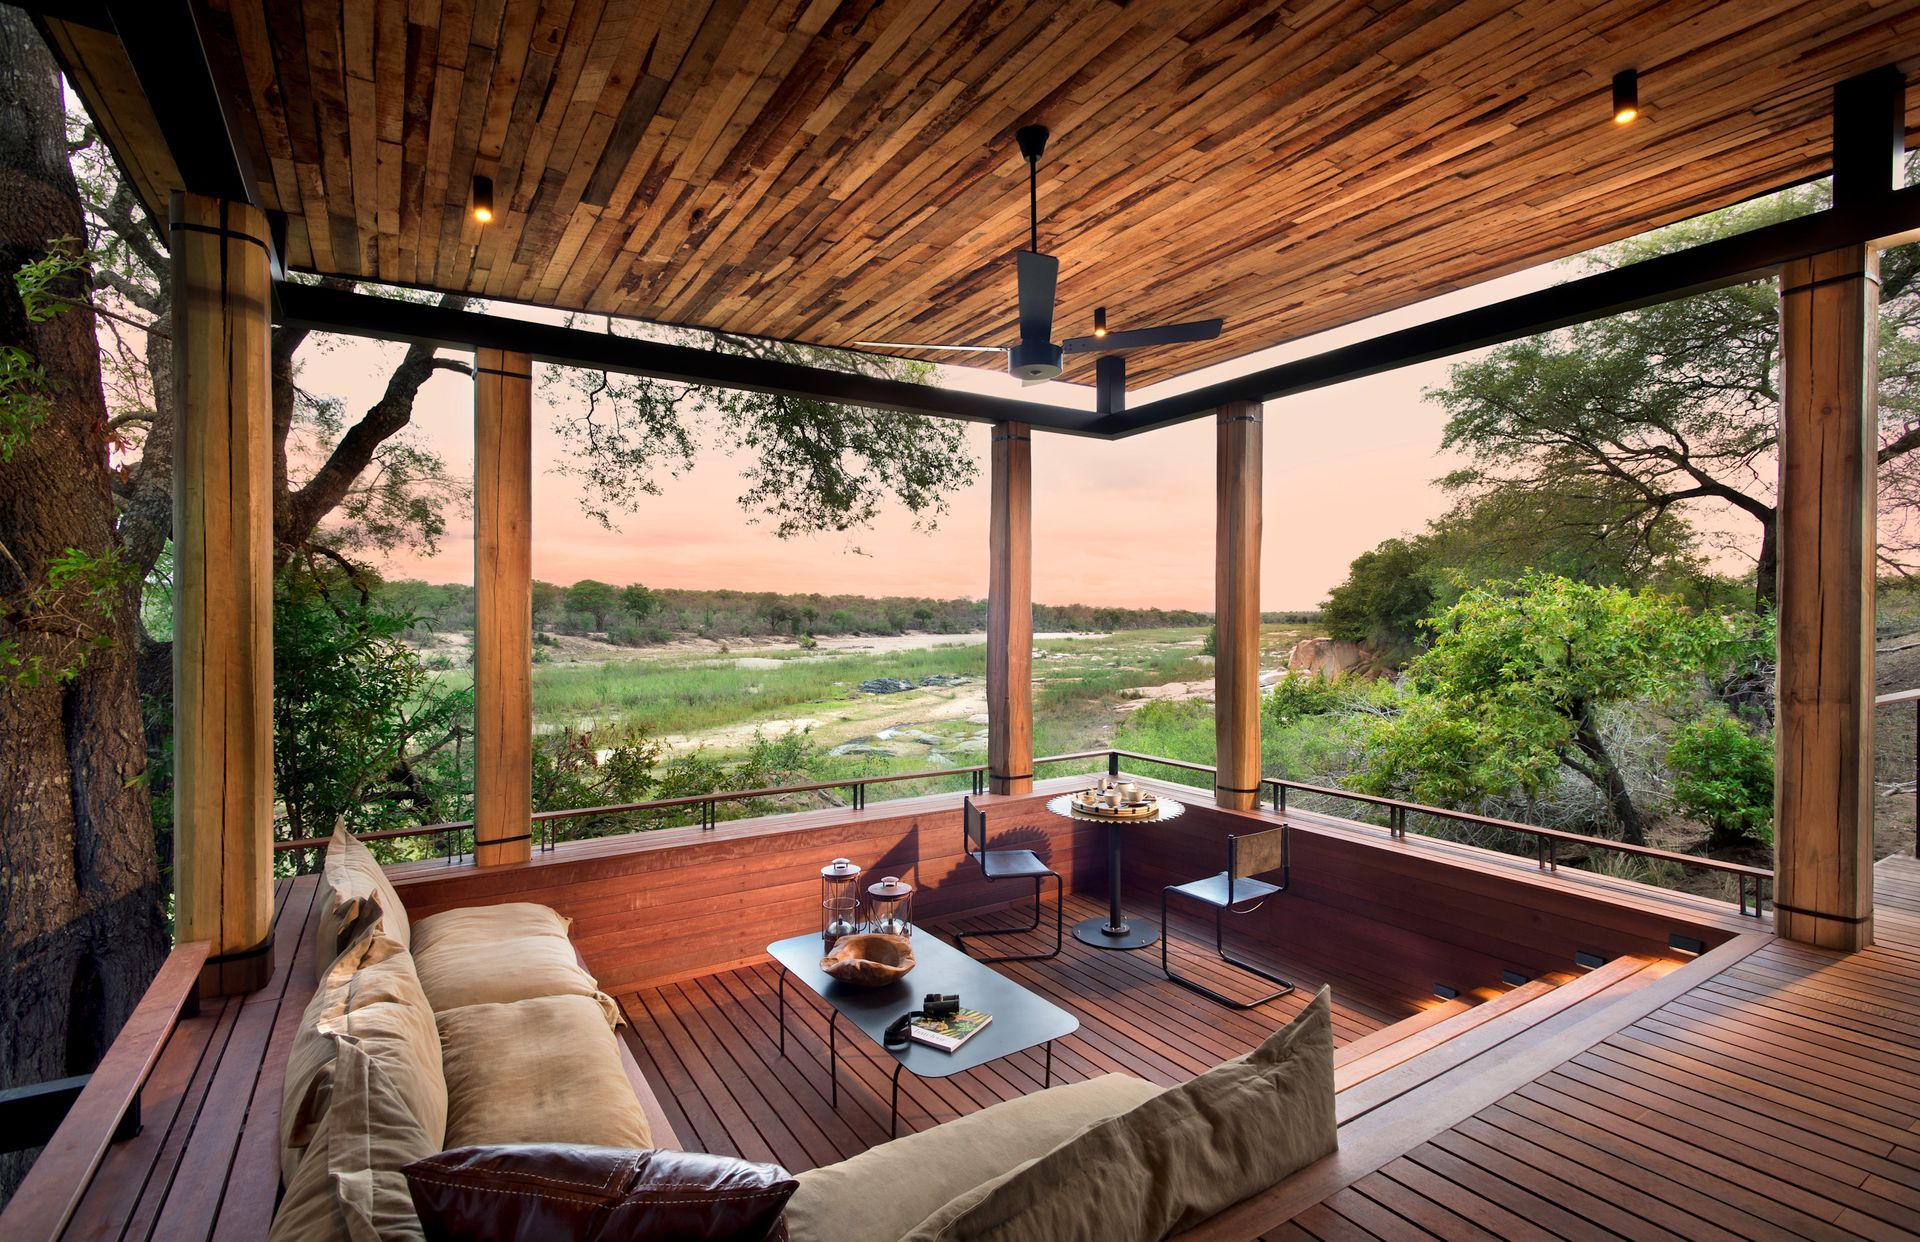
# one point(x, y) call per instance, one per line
point(1620, 425)
point(1516, 682)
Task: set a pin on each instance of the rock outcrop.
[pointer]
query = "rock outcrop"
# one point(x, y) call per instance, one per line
point(1333, 657)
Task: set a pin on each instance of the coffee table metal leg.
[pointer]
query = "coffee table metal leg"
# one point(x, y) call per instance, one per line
point(1048, 1081)
point(833, 1055)
point(783, 1011)
point(893, 1120)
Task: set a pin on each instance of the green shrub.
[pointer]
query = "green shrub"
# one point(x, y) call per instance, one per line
point(1723, 777)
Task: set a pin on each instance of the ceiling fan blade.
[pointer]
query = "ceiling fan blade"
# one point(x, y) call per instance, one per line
point(1038, 274)
point(1166, 334)
point(965, 349)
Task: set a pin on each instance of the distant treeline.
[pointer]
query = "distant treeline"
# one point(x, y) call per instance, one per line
point(636, 615)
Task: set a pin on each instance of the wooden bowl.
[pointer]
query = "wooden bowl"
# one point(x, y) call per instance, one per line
point(869, 961)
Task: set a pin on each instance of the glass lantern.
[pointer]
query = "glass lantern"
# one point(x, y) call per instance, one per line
point(839, 900)
point(890, 907)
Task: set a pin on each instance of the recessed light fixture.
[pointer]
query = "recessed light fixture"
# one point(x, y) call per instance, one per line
point(1446, 992)
point(483, 199)
point(1626, 96)
point(1099, 321)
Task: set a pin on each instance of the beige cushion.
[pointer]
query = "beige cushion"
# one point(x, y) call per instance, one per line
point(310, 1211)
point(546, 1070)
point(1173, 1161)
point(303, 1089)
point(354, 891)
point(352, 1190)
point(887, 1190)
point(488, 925)
point(374, 1133)
point(458, 971)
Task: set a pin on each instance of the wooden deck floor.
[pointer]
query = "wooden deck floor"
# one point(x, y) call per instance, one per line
point(1777, 1099)
point(709, 1044)
point(206, 1161)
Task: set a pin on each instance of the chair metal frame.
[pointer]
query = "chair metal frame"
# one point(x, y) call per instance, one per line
point(972, 818)
point(1234, 872)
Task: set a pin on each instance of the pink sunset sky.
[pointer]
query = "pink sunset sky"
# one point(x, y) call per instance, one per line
point(1118, 523)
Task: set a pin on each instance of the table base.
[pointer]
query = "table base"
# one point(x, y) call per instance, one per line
point(1094, 931)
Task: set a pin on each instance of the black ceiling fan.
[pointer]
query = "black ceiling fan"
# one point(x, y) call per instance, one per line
point(1036, 358)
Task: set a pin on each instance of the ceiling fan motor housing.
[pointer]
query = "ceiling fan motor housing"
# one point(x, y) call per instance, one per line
point(1034, 360)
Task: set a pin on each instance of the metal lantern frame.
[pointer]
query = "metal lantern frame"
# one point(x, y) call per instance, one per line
point(890, 907)
point(840, 879)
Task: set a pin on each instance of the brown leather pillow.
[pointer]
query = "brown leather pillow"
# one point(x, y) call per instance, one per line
point(596, 1194)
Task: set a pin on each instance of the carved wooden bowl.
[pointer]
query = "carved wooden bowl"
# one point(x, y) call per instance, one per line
point(869, 961)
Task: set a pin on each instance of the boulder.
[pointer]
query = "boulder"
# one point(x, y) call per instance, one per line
point(1333, 657)
point(886, 685)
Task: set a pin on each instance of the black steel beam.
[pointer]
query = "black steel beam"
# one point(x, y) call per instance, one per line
point(360, 314)
point(1869, 136)
point(1714, 265)
point(197, 115)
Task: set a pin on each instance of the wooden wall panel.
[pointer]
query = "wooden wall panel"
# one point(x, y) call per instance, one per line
point(1010, 612)
point(223, 589)
point(503, 607)
point(1823, 794)
point(1417, 914)
point(1400, 917)
point(1236, 660)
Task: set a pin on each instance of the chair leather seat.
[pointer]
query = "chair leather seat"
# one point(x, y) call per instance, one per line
point(1213, 890)
point(1012, 864)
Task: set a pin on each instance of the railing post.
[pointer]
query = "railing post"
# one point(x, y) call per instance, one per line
point(1113, 763)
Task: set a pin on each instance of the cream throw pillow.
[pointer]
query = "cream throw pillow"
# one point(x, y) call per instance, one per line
point(354, 893)
point(546, 1070)
point(1173, 1161)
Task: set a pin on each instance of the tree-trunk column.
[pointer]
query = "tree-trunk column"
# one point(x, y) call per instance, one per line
point(503, 607)
point(223, 589)
point(1010, 613)
point(1823, 800)
point(1236, 649)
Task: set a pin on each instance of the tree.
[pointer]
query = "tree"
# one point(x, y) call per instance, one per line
point(1516, 683)
point(593, 597)
point(1723, 777)
point(810, 466)
point(82, 925)
point(356, 718)
point(638, 602)
point(1504, 533)
point(1631, 419)
point(1387, 593)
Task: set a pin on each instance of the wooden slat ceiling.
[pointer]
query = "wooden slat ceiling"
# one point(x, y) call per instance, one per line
point(830, 172)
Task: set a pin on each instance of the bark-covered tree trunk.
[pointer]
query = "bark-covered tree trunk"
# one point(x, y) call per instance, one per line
point(1604, 772)
point(82, 926)
point(1766, 589)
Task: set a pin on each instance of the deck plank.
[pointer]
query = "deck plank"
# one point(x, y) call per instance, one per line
point(716, 1039)
point(1774, 1099)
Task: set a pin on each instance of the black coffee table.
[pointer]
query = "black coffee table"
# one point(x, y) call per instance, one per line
point(1114, 932)
point(1021, 1019)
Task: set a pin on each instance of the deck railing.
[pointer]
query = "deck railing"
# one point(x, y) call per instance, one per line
point(1913, 697)
point(453, 841)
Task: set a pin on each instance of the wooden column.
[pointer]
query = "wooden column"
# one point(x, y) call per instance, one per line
point(1010, 612)
point(503, 607)
point(1823, 792)
point(1236, 651)
point(223, 590)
